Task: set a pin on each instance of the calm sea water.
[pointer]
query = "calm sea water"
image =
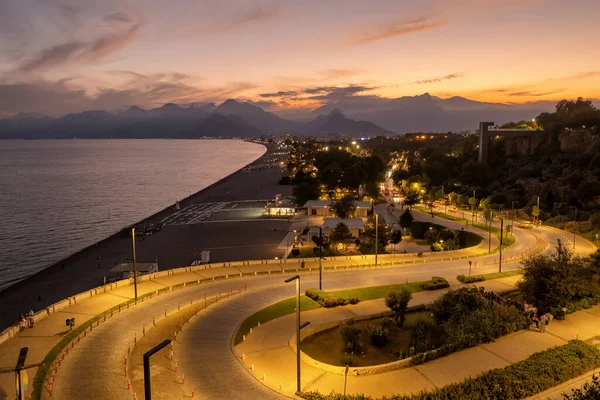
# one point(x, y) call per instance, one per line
point(59, 196)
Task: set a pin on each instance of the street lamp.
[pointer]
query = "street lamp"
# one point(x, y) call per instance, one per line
point(376, 235)
point(574, 225)
point(298, 327)
point(146, 357)
point(490, 232)
point(134, 267)
point(512, 227)
point(320, 257)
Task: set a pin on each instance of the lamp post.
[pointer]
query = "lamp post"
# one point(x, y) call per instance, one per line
point(500, 259)
point(376, 235)
point(147, 355)
point(575, 225)
point(490, 232)
point(512, 226)
point(320, 258)
point(298, 327)
point(134, 267)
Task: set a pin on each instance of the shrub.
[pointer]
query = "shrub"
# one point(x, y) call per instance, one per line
point(589, 391)
point(378, 334)
point(457, 302)
point(398, 303)
point(425, 334)
point(436, 282)
point(327, 301)
point(525, 378)
point(351, 337)
point(330, 302)
point(470, 279)
point(313, 294)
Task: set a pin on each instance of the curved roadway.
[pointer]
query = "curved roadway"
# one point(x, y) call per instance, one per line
point(95, 368)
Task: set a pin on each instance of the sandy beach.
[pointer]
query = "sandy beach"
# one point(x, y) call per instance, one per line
point(174, 246)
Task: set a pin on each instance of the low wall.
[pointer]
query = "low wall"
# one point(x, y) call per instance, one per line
point(13, 330)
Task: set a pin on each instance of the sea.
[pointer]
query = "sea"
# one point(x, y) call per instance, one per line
point(60, 196)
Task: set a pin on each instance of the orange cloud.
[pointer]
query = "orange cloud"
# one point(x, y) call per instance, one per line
point(398, 29)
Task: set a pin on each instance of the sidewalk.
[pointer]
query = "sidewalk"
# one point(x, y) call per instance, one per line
point(267, 348)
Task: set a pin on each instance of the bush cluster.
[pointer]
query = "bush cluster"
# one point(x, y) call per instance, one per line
point(436, 282)
point(327, 301)
point(470, 279)
point(378, 334)
point(535, 374)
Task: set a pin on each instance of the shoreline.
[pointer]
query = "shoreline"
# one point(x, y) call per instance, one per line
point(78, 269)
point(153, 218)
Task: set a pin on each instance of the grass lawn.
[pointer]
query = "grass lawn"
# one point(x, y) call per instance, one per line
point(375, 292)
point(288, 306)
point(273, 311)
point(498, 275)
point(328, 346)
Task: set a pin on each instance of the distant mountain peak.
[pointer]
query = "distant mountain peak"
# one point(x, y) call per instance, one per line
point(170, 106)
point(336, 111)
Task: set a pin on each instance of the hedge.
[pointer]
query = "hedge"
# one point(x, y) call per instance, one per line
point(436, 282)
point(533, 375)
point(327, 301)
point(470, 279)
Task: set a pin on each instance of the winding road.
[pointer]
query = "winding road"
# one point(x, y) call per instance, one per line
point(94, 369)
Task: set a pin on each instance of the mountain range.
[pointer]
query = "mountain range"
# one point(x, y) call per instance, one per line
point(422, 113)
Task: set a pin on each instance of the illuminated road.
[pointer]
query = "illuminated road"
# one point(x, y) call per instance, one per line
point(95, 368)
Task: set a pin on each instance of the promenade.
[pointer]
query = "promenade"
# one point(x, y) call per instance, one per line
point(104, 349)
point(271, 350)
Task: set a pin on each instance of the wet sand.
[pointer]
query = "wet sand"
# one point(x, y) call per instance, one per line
point(174, 246)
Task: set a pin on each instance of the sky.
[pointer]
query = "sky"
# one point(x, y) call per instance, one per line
point(60, 56)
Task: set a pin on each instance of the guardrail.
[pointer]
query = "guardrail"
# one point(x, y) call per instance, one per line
point(387, 260)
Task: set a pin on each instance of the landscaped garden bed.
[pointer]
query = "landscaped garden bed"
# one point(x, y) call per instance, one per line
point(457, 320)
point(533, 375)
point(328, 346)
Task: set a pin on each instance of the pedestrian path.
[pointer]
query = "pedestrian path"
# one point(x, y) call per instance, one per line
point(51, 329)
point(268, 350)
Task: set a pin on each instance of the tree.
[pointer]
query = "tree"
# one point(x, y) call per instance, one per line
point(411, 197)
point(345, 207)
point(406, 219)
point(398, 303)
point(372, 189)
point(552, 281)
point(396, 237)
point(308, 190)
point(341, 234)
point(367, 246)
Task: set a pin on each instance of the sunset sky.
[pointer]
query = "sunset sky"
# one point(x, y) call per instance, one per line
point(59, 56)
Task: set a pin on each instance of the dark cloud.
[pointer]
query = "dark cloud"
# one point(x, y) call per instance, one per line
point(107, 44)
point(259, 12)
point(399, 28)
point(279, 94)
point(438, 80)
point(78, 51)
point(535, 94)
point(53, 57)
point(119, 17)
point(62, 97)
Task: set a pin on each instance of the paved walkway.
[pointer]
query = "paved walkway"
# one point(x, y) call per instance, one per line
point(268, 350)
point(103, 349)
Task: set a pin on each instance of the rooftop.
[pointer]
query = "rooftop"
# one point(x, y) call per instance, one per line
point(350, 222)
point(327, 203)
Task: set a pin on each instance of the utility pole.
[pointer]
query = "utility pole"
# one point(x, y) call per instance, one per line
point(134, 266)
point(376, 235)
point(500, 259)
point(490, 231)
point(320, 258)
